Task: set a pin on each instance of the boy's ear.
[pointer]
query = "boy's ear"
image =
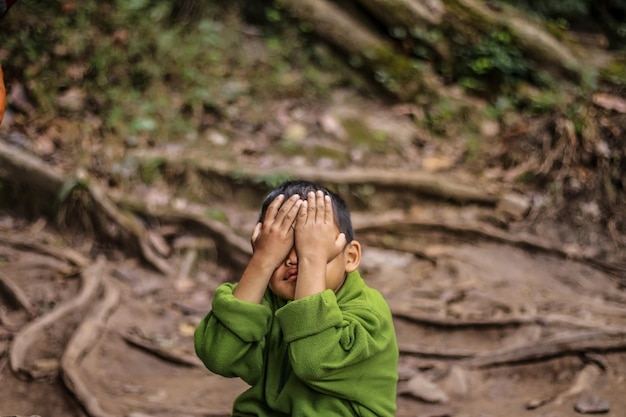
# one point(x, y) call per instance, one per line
point(353, 256)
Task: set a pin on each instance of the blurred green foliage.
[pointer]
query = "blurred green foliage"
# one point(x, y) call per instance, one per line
point(494, 65)
point(154, 69)
point(607, 17)
point(150, 72)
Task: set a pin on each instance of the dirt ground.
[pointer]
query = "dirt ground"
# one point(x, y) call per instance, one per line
point(478, 281)
point(497, 313)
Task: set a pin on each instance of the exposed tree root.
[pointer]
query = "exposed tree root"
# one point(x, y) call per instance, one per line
point(409, 313)
point(584, 381)
point(559, 345)
point(21, 163)
point(230, 246)
point(127, 213)
point(412, 349)
point(420, 182)
point(453, 18)
point(332, 23)
point(174, 356)
point(487, 232)
point(130, 224)
point(66, 254)
point(20, 167)
point(83, 340)
point(33, 331)
point(15, 294)
point(555, 346)
point(239, 247)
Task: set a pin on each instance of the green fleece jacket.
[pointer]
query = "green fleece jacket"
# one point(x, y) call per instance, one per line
point(324, 355)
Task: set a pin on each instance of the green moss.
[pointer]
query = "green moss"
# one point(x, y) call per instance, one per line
point(216, 214)
point(397, 73)
point(361, 136)
point(272, 180)
point(289, 147)
point(151, 170)
point(615, 72)
point(326, 152)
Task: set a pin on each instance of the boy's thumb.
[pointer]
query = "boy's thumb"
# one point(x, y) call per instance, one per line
point(341, 241)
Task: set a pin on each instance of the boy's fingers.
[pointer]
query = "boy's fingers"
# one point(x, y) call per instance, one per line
point(272, 209)
point(289, 210)
point(311, 206)
point(328, 210)
point(302, 213)
point(320, 202)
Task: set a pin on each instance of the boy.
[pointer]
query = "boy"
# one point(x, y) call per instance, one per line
point(301, 327)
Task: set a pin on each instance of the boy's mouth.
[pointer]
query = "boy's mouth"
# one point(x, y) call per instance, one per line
point(291, 275)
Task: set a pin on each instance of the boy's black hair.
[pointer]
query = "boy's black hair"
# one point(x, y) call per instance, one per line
point(302, 188)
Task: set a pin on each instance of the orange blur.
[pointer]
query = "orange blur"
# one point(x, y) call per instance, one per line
point(3, 96)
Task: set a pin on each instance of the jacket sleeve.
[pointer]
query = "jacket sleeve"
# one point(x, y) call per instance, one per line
point(231, 338)
point(333, 349)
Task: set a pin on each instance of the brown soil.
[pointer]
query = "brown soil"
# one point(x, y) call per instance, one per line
point(497, 313)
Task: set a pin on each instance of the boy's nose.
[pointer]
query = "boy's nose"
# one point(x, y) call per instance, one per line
point(292, 258)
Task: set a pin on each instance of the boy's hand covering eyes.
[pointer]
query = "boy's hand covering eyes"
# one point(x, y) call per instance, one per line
point(316, 234)
point(274, 237)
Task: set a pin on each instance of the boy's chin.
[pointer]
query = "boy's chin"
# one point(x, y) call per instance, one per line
point(286, 291)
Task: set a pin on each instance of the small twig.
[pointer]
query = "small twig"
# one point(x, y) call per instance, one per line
point(188, 310)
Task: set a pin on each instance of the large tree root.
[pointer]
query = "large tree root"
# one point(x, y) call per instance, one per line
point(20, 163)
point(230, 246)
point(551, 347)
point(33, 331)
point(66, 254)
point(559, 345)
point(21, 167)
point(489, 233)
point(83, 340)
point(131, 225)
point(406, 312)
point(419, 182)
point(15, 293)
point(339, 28)
point(469, 19)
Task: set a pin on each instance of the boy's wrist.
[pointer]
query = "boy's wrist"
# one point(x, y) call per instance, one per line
point(263, 263)
point(311, 280)
point(313, 260)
